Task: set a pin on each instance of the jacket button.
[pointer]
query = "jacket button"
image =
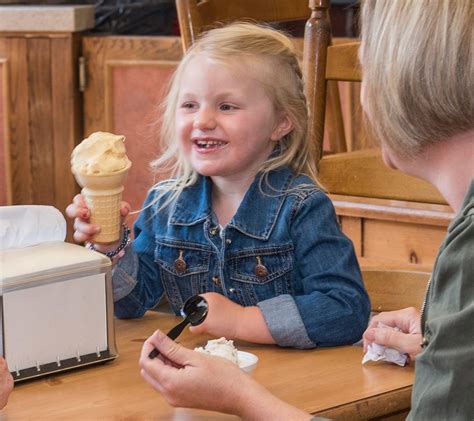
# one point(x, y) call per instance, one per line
point(260, 270)
point(231, 290)
point(180, 263)
point(216, 280)
point(213, 230)
point(228, 241)
point(424, 342)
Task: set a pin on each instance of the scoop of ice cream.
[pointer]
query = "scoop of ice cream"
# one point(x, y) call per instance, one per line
point(101, 153)
point(222, 348)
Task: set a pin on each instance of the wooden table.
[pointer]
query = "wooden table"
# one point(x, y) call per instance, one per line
point(327, 381)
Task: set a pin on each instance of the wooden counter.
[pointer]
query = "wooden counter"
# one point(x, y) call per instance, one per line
point(330, 381)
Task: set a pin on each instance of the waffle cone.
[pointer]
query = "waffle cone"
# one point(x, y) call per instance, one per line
point(103, 196)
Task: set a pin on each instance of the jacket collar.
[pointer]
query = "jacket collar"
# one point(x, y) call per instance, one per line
point(256, 215)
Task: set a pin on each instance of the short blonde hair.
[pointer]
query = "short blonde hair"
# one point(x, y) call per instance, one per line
point(418, 71)
point(275, 56)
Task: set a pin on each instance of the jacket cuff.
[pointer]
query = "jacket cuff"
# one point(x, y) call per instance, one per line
point(284, 322)
point(124, 274)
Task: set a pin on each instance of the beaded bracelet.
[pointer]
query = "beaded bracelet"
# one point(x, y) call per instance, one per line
point(123, 244)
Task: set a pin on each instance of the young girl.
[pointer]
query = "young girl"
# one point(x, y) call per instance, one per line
point(243, 221)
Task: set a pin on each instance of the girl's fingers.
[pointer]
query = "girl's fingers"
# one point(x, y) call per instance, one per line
point(124, 209)
point(83, 231)
point(85, 227)
point(78, 208)
point(79, 200)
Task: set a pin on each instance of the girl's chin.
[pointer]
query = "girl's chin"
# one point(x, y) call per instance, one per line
point(207, 171)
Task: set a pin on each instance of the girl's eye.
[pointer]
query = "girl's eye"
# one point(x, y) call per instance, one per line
point(227, 107)
point(188, 105)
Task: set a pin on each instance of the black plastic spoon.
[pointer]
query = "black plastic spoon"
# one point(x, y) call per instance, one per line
point(194, 311)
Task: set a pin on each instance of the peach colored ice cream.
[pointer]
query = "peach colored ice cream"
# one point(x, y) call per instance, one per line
point(101, 153)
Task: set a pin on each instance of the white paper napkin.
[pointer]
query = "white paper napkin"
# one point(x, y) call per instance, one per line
point(376, 352)
point(23, 226)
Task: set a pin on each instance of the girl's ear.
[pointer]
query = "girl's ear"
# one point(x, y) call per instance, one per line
point(284, 126)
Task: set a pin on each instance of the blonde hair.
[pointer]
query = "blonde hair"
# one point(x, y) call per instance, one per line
point(283, 84)
point(417, 62)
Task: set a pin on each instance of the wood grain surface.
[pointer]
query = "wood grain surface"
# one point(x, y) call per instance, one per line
point(330, 381)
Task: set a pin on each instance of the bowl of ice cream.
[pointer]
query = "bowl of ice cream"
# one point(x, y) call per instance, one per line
point(247, 361)
point(225, 348)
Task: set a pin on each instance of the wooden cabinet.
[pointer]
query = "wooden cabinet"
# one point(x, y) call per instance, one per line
point(40, 103)
point(40, 117)
point(126, 80)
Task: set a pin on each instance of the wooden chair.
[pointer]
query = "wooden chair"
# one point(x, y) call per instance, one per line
point(195, 16)
point(362, 188)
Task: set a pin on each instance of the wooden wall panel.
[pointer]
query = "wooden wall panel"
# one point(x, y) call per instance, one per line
point(99, 50)
point(67, 116)
point(391, 233)
point(409, 243)
point(127, 80)
point(5, 180)
point(352, 227)
point(41, 120)
point(134, 92)
point(15, 50)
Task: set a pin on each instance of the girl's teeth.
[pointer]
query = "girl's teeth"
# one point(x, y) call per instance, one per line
point(208, 144)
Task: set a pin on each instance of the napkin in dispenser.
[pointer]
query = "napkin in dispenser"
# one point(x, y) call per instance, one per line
point(56, 301)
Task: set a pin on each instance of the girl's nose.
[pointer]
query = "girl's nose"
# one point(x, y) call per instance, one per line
point(205, 119)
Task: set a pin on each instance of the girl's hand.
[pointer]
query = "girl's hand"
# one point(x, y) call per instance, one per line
point(222, 318)
point(6, 383)
point(84, 231)
point(406, 340)
point(233, 321)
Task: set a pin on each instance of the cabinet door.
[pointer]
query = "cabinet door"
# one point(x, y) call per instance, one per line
point(126, 80)
point(39, 118)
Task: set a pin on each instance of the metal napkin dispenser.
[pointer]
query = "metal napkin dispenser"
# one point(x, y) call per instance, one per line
point(56, 308)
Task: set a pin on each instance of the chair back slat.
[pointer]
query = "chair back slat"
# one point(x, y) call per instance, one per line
point(342, 62)
point(363, 173)
point(196, 16)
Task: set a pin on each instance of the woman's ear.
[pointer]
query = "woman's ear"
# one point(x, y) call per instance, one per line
point(284, 126)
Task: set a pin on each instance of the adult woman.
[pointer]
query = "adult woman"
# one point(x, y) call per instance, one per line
point(417, 94)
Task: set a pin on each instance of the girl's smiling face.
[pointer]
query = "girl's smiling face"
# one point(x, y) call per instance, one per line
point(226, 124)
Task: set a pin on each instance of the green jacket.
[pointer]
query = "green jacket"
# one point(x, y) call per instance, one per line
point(444, 371)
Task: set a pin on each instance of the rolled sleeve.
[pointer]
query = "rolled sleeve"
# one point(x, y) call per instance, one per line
point(284, 322)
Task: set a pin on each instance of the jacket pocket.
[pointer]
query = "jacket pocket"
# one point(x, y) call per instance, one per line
point(258, 274)
point(184, 269)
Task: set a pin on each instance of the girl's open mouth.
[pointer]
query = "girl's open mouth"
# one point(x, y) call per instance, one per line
point(209, 144)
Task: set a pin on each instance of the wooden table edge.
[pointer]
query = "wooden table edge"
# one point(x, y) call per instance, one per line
point(392, 402)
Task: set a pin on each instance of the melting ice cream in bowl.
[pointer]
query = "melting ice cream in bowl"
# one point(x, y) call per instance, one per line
point(226, 349)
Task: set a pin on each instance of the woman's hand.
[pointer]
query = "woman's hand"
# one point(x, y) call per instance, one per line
point(6, 383)
point(84, 231)
point(407, 340)
point(192, 379)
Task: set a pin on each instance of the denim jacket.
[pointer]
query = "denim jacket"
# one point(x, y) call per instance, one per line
point(283, 252)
